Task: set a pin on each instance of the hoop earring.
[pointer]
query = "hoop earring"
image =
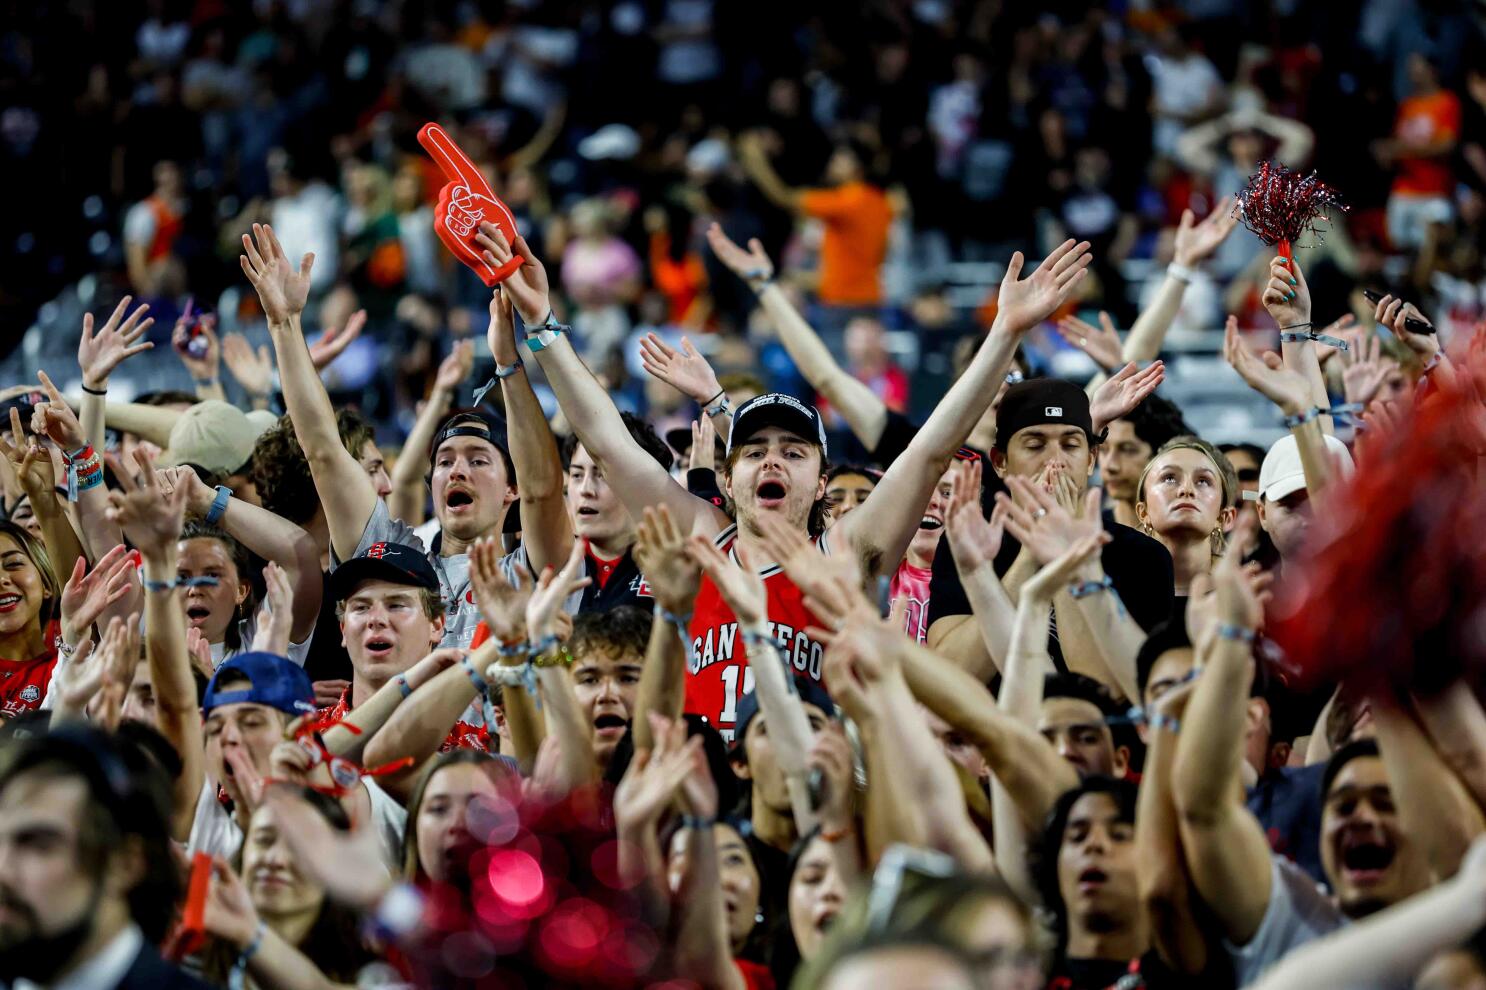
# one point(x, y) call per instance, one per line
point(1216, 541)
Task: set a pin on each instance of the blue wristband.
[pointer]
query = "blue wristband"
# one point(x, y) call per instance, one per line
point(219, 505)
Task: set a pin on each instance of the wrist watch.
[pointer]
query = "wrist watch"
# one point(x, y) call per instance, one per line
point(547, 333)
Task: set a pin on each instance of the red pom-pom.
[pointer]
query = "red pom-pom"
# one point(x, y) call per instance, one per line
point(1279, 205)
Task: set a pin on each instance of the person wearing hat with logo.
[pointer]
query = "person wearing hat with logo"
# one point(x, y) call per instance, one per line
point(1045, 436)
point(776, 464)
point(471, 477)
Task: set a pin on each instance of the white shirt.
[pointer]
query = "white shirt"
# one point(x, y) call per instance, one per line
point(105, 970)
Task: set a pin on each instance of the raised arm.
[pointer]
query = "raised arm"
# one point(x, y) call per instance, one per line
point(1434, 808)
point(879, 531)
point(1165, 888)
point(152, 522)
point(673, 576)
point(632, 472)
point(865, 414)
point(1289, 390)
point(565, 719)
point(1194, 243)
point(702, 949)
point(1287, 297)
point(408, 498)
point(33, 470)
point(778, 702)
point(689, 373)
point(546, 528)
point(99, 354)
point(345, 491)
point(974, 543)
point(1227, 854)
point(268, 535)
point(205, 368)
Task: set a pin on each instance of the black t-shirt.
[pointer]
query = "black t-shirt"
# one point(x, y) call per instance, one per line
point(615, 583)
point(327, 659)
point(773, 875)
point(1139, 566)
point(897, 434)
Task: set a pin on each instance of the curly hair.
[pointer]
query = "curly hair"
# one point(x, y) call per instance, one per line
point(281, 472)
point(624, 631)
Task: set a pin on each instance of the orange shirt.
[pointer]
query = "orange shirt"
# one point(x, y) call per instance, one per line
point(857, 216)
point(1426, 120)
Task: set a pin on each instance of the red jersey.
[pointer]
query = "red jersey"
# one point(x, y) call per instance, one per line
point(912, 583)
point(23, 683)
point(717, 673)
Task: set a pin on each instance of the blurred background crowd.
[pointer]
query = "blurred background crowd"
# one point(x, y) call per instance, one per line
point(889, 155)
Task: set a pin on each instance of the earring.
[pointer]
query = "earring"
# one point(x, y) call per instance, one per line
point(758, 918)
point(1215, 539)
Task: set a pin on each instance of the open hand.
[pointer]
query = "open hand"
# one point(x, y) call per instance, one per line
point(1042, 524)
point(30, 461)
point(502, 604)
point(329, 345)
point(205, 367)
point(98, 355)
point(1025, 302)
point(740, 586)
point(346, 864)
point(685, 370)
point(1101, 344)
point(1365, 369)
point(1268, 376)
point(974, 541)
point(553, 589)
point(752, 266)
point(252, 369)
point(282, 289)
point(455, 369)
point(660, 550)
point(1123, 391)
point(1195, 242)
point(150, 519)
point(87, 594)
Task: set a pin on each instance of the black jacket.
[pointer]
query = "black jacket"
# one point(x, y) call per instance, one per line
point(150, 972)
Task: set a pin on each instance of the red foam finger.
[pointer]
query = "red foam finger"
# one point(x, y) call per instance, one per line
point(463, 204)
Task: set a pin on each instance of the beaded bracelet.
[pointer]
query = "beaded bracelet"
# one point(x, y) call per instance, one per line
point(1238, 634)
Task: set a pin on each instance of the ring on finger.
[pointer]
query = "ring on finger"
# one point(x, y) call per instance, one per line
point(1039, 513)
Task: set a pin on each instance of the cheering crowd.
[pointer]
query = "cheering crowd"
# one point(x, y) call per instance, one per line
point(1022, 684)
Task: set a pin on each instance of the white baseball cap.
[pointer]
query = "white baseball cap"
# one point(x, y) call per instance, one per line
point(1281, 474)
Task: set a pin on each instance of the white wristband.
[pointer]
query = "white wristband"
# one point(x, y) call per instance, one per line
point(1182, 273)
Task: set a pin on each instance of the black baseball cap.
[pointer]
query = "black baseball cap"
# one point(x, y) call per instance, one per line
point(394, 562)
point(481, 423)
point(777, 409)
point(679, 440)
point(1039, 401)
point(811, 692)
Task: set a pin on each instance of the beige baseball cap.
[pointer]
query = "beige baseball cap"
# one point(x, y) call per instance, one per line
point(214, 435)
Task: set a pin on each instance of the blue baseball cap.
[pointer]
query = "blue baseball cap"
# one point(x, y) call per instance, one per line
point(811, 692)
point(275, 681)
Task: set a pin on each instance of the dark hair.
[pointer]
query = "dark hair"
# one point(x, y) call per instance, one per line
point(624, 630)
point(166, 397)
point(1156, 421)
point(242, 560)
point(1252, 449)
point(1071, 685)
point(643, 433)
point(497, 439)
point(1354, 750)
point(151, 744)
point(866, 471)
point(1163, 638)
point(729, 787)
point(1043, 857)
point(281, 472)
point(128, 797)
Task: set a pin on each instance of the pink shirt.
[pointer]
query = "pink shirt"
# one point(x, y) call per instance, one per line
point(912, 583)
